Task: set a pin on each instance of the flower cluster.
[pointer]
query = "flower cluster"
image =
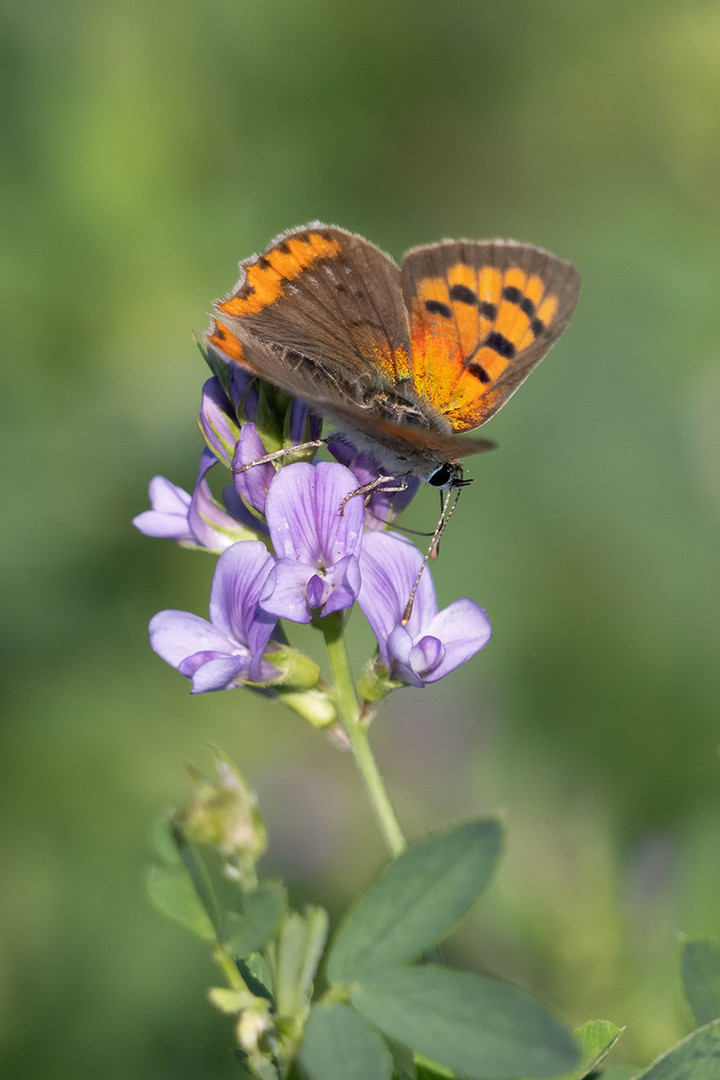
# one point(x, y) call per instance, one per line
point(296, 542)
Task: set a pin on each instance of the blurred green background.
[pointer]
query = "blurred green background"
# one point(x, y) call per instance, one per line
point(147, 147)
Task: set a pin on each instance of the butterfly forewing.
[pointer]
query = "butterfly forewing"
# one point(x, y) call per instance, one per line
point(482, 315)
point(326, 294)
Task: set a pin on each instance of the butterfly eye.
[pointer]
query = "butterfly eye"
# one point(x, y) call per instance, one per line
point(442, 476)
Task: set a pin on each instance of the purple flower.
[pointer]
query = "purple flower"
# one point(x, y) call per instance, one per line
point(434, 642)
point(253, 484)
point(196, 520)
point(218, 421)
point(316, 546)
point(304, 425)
point(243, 392)
point(382, 506)
point(168, 518)
point(228, 650)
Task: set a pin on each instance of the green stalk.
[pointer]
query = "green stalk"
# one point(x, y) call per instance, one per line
point(349, 710)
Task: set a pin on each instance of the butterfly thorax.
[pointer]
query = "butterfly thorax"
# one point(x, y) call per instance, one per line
point(389, 409)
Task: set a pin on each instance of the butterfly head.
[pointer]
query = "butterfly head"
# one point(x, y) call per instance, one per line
point(448, 476)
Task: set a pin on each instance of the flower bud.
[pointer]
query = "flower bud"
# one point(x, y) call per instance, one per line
point(223, 814)
point(375, 683)
point(216, 422)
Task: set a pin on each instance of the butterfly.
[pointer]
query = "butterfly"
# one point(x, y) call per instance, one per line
point(404, 360)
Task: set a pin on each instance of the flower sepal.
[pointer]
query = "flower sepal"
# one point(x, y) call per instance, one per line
point(282, 422)
point(229, 1001)
point(217, 363)
point(273, 415)
point(315, 705)
point(297, 671)
point(375, 683)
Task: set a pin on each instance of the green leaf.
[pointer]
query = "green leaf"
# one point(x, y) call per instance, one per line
point(172, 892)
point(695, 1058)
point(163, 841)
point(247, 930)
point(339, 1045)
point(416, 900)
point(595, 1040)
point(255, 973)
point(293, 957)
point(480, 1027)
point(701, 978)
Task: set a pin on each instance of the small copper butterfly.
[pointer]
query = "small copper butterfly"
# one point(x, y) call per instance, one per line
point(405, 359)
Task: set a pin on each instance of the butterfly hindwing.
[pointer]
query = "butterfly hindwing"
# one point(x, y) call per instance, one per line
point(482, 315)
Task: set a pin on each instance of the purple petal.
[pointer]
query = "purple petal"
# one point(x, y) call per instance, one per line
point(389, 565)
point(177, 635)
point(221, 673)
point(426, 655)
point(168, 517)
point(252, 485)
point(242, 513)
point(190, 664)
point(284, 591)
point(397, 660)
point(362, 466)
point(305, 426)
point(167, 498)
point(383, 506)
point(212, 527)
point(464, 629)
point(240, 574)
point(317, 591)
point(345, 581)
point(220, 429)
point(243, 391)
point(302, 510)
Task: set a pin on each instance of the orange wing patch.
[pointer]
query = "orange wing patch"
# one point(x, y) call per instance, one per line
point(437, 355)
point(467, 329)
point(224, 340)
point(264, 278)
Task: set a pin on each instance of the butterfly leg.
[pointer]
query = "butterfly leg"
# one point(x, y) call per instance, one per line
point(447, 509)
point(378, 484)
point(285, 451)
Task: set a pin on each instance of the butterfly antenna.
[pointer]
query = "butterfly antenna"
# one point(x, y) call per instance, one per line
point(448, 508)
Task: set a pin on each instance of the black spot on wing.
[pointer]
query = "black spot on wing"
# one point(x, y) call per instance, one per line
point(538, 327)
point(463, 294)
point(515, 296)
point(478, 371)
point(500, 344)
point(436, 307)
point(488, 310)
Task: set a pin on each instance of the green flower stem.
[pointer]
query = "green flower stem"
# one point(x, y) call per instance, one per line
point(349, 710)
point(203, 889)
